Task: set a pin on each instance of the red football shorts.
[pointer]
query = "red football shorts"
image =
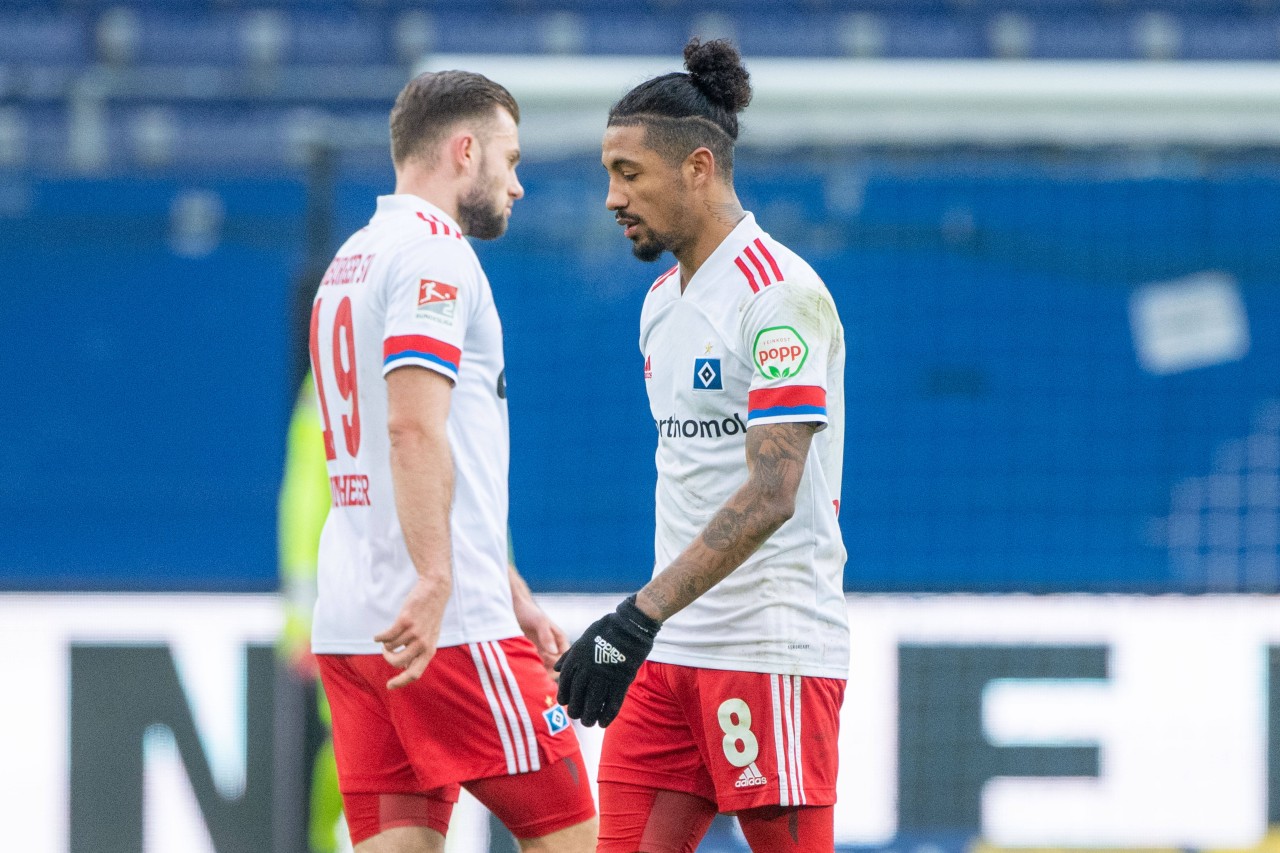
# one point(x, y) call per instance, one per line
point(739, 739)
point(479, 711)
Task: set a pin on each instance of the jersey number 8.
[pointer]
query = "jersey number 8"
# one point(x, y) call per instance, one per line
point(735, 722)
point(344, 370)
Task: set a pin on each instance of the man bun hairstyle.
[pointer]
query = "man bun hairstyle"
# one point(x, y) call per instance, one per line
point(716, 70)
point(432, 104)
point(682, 112)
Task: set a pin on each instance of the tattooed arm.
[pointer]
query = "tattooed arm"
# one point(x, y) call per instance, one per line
point(776, 455)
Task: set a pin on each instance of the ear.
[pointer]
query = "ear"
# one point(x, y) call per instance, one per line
point(463, 151)
point(700, 166)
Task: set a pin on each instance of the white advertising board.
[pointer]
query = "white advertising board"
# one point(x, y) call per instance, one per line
point(1034, 721)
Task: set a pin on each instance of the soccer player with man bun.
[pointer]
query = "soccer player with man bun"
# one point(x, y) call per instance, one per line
point(732, 660)
point(433, 654)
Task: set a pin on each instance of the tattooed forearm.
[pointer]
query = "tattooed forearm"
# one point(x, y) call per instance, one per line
point(724, 530)
point(775, 461)
point(775, 456)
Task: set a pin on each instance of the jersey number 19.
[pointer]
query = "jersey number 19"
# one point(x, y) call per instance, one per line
point(344, 370)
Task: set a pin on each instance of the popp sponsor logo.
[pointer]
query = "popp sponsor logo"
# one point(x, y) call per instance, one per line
point(779, 352)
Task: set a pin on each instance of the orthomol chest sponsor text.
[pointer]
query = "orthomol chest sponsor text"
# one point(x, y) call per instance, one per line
point(677, 427)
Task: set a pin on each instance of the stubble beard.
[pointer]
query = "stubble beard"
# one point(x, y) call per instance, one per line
point(650, 247)
point(649, 250)
point(479, 215)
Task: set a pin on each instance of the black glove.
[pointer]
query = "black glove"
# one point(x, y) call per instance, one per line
point(597, 670)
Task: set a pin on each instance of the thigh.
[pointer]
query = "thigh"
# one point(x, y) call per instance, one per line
point(639, 818)
point(535, 804)
point(371, 815)
point(769, 739)
point(480, 710)
point(366, 746)
point(797, 829)
point(651, 742)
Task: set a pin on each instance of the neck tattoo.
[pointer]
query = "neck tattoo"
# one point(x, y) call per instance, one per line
point(728, 212)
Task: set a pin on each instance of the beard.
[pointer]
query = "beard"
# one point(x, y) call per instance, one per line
point(479, 214)
point(649, 250)
point(649, 245)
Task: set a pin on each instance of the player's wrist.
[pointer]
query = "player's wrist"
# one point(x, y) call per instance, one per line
point(631, 612)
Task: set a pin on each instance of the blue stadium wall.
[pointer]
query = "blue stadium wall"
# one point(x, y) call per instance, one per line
point(1002, 434)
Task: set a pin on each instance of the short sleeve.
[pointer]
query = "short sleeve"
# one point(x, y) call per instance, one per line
point(431, 293)
point(788, 331)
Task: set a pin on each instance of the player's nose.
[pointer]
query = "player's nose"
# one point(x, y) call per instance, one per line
point(614, 200)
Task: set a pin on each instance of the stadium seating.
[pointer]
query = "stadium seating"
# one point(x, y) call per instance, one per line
point(164, 32)
point(997, 415)
point(191, 69)
point(206, 91)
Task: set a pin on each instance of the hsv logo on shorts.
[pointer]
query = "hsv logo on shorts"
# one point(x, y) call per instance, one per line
point(437, 300)
point(706, 374)
point(557, 719)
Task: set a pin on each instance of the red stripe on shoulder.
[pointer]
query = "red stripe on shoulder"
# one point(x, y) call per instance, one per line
point(438, 226)
point(773, 265)
point(764, 276)
point(751, 279)
point(662, 279)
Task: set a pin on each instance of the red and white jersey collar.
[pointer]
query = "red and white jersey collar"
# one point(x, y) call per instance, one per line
point(425, 210)
point(740, 259)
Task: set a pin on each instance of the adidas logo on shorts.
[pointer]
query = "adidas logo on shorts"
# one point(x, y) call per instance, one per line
point(606, 653)
point(751, 777)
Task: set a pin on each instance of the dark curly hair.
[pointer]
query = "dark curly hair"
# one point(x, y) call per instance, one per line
point(682, 112)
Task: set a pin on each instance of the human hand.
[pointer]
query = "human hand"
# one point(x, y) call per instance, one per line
point(410, 642)
point(545, 635)
point(597, 670)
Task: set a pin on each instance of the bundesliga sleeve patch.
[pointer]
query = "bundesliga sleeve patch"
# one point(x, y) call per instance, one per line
point(779, 352)
point(437, 301)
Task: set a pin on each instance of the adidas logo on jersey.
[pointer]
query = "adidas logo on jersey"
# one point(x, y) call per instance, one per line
point(606, 653)
point(751, 777)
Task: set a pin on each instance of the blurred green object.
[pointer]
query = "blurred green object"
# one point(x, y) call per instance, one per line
point(326, 799)
point(304, 505)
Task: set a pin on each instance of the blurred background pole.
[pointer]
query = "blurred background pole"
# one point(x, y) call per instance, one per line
point(300, 733)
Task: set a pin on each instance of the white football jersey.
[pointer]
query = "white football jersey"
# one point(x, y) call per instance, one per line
point(754, 339)
point(408, 290)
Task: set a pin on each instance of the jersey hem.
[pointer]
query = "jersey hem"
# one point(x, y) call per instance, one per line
point(731, 664)
point(812, 797)
point(364, 647)
point(414, 361)
point(820, 420)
